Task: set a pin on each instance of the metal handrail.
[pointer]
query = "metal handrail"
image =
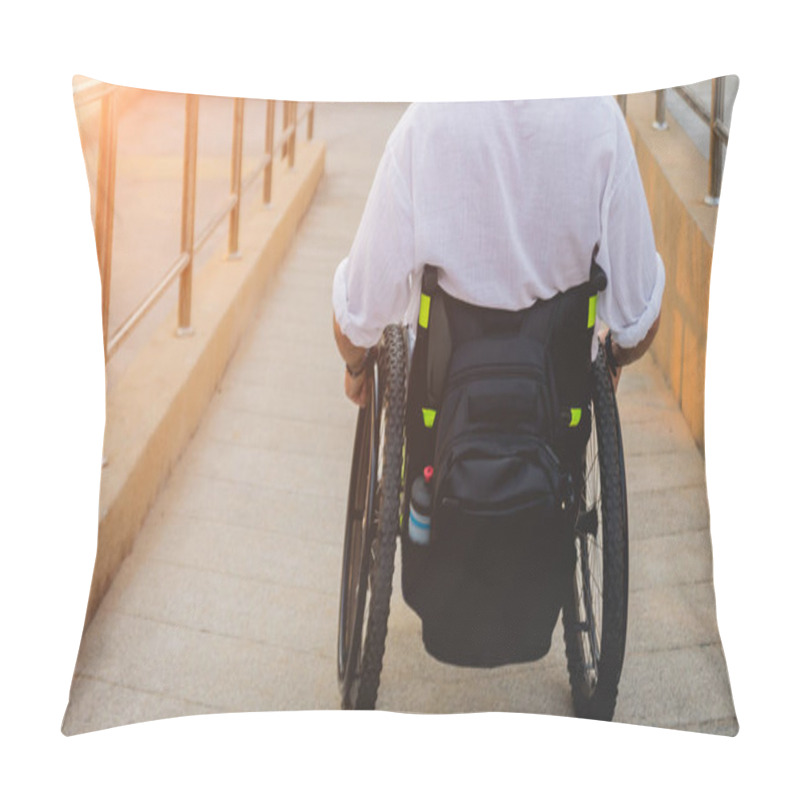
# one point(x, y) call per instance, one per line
point(713, 118)
point(181, 269)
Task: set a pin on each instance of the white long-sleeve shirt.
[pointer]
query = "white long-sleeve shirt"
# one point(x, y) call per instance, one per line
point(510, 200)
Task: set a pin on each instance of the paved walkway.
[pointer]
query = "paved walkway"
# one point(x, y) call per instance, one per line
point(229, 599)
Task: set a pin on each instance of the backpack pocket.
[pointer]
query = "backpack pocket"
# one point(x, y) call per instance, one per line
point(497, 479)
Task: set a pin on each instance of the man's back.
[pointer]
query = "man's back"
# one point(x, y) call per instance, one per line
point(507, 196)
point(511, 200)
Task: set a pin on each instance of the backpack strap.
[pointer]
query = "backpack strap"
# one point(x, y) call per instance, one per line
point(421, 408)
point(569, 342)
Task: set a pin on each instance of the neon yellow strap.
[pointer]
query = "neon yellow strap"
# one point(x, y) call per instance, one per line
point(428, 416)
point(424, 310)
point(592, 310)
point(575, 417)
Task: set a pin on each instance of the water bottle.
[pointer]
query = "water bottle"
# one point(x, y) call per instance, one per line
point(419, 517)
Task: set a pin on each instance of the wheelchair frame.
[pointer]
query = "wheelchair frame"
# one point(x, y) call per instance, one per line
point(594, 622)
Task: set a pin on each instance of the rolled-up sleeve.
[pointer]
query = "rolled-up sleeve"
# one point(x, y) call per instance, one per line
point(372, 287)
point(635, 270)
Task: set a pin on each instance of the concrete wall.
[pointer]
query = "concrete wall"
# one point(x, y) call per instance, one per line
point(155, 407)
point(675, 177)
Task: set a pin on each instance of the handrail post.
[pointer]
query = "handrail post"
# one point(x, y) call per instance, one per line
point(293, 134)
point(715, 142)
point(310, 123)
point(187, 214)
point(104, 210)
point(269, 149)
point(660, 122)
point(285, 115)
point(236, 177)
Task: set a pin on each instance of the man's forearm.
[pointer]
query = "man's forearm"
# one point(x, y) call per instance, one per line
point(627, 355)
point(355, 385)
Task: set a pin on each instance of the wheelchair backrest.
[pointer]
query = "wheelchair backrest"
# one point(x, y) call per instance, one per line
point(563, 325)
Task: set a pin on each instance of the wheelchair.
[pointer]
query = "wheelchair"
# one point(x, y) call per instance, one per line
point(594, 614)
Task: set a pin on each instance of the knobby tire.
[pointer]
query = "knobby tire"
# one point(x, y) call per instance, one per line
point(595, 667)
point(360, 687)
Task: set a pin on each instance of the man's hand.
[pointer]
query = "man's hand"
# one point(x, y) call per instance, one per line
point(615, 374)
point(627, 355)
point(356, 388)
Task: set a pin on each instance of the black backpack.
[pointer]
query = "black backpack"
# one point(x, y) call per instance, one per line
point(499, 405)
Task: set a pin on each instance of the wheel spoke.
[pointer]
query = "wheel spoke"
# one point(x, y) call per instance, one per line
point(590, 615)
point(589, 584)
point(587, 521)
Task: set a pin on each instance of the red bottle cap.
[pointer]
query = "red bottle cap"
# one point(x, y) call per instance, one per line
point(427, 474)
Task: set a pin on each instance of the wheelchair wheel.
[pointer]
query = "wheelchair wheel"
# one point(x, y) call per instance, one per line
point(595, 614)
point(372, 527)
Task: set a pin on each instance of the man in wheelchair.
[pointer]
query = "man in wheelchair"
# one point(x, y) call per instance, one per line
point(495, 233)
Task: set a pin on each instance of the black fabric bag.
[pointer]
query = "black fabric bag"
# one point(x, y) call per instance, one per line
point(498, 404)
point(494, 461)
